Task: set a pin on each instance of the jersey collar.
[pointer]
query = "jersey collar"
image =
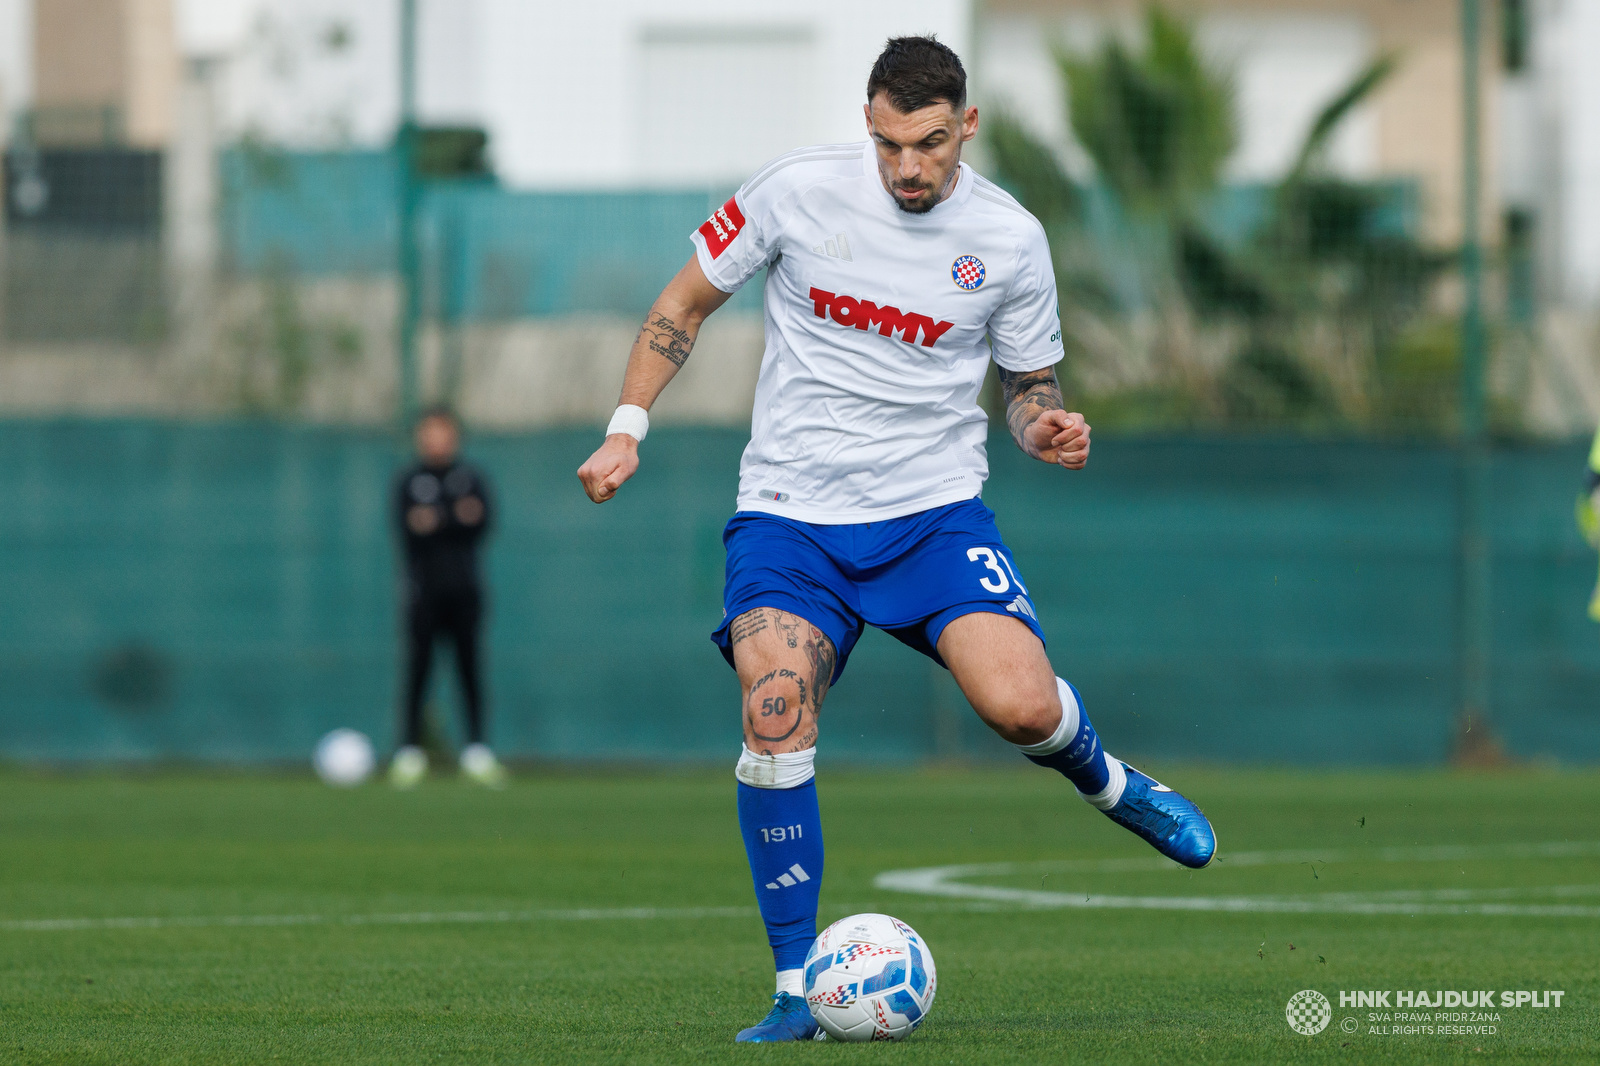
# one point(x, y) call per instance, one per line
point(942, 210)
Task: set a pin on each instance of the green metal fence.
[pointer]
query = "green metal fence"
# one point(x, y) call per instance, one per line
point(227, 592)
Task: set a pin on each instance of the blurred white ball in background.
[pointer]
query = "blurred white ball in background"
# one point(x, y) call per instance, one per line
point(344, 757)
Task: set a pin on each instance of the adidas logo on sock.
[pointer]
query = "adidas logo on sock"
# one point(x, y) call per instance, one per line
point(785, 880)
point(835, 246)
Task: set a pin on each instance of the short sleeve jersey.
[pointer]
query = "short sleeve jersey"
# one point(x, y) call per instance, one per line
point(880, 325)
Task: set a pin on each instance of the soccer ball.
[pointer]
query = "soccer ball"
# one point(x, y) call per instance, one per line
point(344, 757)
point(869, 977)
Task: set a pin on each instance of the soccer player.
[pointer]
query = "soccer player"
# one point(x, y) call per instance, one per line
point(1589, 515)
point(895, 273)
point(442, 511)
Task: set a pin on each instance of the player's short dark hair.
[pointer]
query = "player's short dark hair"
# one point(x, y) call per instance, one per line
point(916, 72)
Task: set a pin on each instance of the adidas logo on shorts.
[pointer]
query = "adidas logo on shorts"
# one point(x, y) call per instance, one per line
point(1020, 605)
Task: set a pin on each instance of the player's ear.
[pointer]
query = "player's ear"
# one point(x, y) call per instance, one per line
point(969, 124)
point(866, 110)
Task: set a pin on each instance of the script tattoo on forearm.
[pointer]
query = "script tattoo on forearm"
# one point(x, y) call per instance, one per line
point(1028, 394)
point(666, 338)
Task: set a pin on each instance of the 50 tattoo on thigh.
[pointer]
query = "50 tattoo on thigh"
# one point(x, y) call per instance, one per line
point(776, 708)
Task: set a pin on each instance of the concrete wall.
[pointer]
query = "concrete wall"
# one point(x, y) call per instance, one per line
point(323, 351)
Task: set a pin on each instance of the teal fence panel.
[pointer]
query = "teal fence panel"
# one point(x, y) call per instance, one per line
point(228, 592)
point(495, 253)
point(489, 252)
point(314, 213)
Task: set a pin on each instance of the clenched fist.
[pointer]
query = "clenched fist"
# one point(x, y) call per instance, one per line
point(1059, 437)
point(612, 463)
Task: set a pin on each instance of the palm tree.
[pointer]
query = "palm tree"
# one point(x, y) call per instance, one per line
point(1158, 124)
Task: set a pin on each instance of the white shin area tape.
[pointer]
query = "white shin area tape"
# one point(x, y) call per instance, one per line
point(789, 770)
point(1111, 795)
point(792, 982)
point(630, 419)
point(1064, 732)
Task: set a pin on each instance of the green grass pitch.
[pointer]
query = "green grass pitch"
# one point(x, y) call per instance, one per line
point(609, 917)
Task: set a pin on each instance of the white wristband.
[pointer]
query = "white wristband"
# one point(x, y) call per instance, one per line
point(630, 419)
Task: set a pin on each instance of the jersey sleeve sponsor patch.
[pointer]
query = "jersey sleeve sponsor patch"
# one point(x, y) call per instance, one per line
point(722, 227)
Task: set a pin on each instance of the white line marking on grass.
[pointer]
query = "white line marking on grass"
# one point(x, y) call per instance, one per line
point(948, 882)
point(585, 914)
point(944, 882)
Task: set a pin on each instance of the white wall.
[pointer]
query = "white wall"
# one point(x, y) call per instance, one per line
point(1285, 67)
point(603, 93)
point(16, 60)
point(1567, 44)
point(305, 73)
point(577, 92)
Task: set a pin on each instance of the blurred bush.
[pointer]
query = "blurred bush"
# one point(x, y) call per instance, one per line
point(1309, 304)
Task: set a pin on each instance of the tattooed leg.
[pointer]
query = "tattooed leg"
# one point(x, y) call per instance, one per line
point(785, 665)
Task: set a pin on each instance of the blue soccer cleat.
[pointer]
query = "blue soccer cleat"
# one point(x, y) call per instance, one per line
point(789, 1019)
point(1166, 820)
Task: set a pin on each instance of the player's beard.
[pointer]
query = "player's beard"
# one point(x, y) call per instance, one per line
point(922, 204)
point(930, 199)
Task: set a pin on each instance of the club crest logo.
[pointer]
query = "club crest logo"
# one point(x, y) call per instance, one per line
point(1308, 1012)
point(967, 272)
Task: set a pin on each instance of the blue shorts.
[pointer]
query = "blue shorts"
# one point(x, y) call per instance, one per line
point(908, 576)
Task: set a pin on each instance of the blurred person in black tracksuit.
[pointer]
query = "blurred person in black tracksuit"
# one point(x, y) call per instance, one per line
point(443, 510)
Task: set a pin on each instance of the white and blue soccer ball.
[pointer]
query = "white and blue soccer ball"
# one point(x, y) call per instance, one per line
point(870, 977)
point(344, 758)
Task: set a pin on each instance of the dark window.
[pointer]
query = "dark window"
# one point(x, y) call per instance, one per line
point(1516, 35)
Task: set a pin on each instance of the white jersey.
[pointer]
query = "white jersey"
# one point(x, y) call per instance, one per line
point(880, 325)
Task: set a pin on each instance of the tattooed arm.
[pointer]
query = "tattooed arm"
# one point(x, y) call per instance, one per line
point(1037, 421)
point(659, 352)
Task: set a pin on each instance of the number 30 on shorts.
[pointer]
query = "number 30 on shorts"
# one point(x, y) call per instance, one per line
point(992, 562)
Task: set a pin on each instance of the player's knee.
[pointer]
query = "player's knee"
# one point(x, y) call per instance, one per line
point(780, 712)
point(1029, 720)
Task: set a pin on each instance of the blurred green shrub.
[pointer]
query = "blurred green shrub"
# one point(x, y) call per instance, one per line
point(1320, 317)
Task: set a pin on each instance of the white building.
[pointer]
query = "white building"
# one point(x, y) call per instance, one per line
point(607, 93)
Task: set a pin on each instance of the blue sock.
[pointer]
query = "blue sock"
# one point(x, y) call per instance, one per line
point(1075, 749)
point(782, 830)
